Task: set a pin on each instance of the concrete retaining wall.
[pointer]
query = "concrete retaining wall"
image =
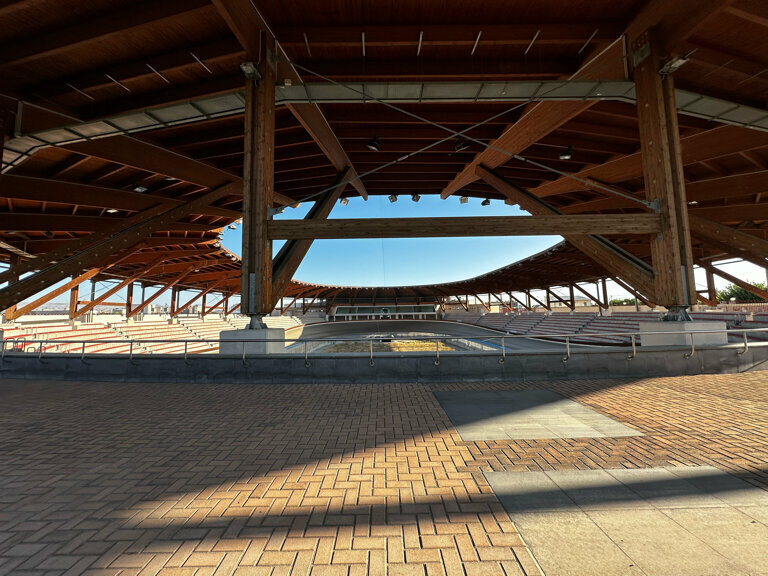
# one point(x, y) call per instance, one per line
point(387, 368)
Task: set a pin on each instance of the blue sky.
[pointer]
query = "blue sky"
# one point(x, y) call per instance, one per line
point(397, 262)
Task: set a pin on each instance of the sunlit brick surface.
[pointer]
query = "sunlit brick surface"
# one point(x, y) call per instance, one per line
point(338, 480)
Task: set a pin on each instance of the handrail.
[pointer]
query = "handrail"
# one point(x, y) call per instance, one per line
point(502, 338)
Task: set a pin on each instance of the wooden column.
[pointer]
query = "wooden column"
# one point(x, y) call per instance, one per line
point(128, 299)
point(258, 182)
point(663, 175)
point(73, 298)
point(13, 277)
point(711, 292)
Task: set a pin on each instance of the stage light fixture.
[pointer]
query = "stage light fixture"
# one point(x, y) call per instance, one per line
point(486, 202)
point(393, 198)
point(567, 154)
point(373, 144)
point(344, 201)
point(140, 189)
point(415, 197)
point(463, 200)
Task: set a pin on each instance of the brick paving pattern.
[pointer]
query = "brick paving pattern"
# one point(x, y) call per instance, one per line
point(342, 480)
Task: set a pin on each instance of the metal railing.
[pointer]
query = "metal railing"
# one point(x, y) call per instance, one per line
point(490, 345)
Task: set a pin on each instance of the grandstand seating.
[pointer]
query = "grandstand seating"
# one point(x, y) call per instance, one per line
point(524, 323)
point(494, 320)
point(462, 316)
point(562, 323)
point(162, 331)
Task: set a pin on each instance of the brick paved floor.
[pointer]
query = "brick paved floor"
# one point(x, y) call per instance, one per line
point(337, 480)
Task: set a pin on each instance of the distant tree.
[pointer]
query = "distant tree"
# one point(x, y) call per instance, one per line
point(622, 302)
point(738, 293)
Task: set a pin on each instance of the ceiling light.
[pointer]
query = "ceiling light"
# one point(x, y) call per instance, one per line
point(373, 144)
point(567, 154)
point(461, 145)
point(672, 65)
point(692, 203)
point(250, 70)
point(486, 202)
point(415, 197)
point(232, 226)
point(344, 201)
point(111, 211)
point(140, 189)
point(463, 200)
point(393, 198)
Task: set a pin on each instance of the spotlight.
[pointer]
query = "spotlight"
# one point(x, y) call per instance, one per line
point(373, 144)
point(568, 154)
point(415, 197)
point(486, 202)
point(463, 200)
point(461, 145)
point(232, 226)
point(140, 189)
point(111, 211)
point(344, 201)
point(393, 198)
point(673, 64)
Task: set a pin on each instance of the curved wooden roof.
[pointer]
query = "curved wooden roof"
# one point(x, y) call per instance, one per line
point(76, 62)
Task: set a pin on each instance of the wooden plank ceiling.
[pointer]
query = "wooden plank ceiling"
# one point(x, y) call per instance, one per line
point(88, 60)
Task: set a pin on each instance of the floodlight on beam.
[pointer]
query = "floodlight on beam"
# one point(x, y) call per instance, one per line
point(344, 201)
point(463, 200)
point(567, 154)
point(415, 197)
point(373, 144)
point(392, 198)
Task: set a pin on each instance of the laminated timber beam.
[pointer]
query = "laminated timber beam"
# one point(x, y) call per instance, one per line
point(595, 299)
point(523, 304)
point(634, 292)
point(247, 23)
point(288, 259)
point(127, 282)
point(677, 20)
point(751, 288)
point(671, 253)
point(90, 251)
point(532, 297)
point(570, 304)
point(201, 294)
point(730, 240)
point(605, 253)
point(441, 227)
point(214, 306)
point(162, 290)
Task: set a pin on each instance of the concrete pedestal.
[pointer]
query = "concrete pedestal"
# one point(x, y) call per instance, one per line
point(236, 348)
point(682, 339)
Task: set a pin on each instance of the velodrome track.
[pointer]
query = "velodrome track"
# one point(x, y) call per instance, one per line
point(363, 328)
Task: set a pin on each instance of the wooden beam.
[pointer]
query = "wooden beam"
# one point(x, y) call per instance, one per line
point(711, 291)
point(634, 292)
point(90, 251)
point(246, 22)
point(732, 241)
point(127, 282)
point(201, 294)
point(258, 185)
point(162, 290)
point(595, 299)
point(443, 227)
point(671, 253)
point(603, 252)
point(214, 306)
point(288, 259)
point(532, 297)
point(541, 118)
point(77, 223)
point(106, 26)
point(570, 304)
point(751, 288)
point(523, 304)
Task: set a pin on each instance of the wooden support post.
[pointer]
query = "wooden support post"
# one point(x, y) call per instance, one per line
point(223, 300)
point(162, 290)
point(12, 278)
point(751, 288)
point(523, 304)
point(604, 283)
point(128, 298)
point(573, 299)
point(638, 297)
point(174, 300)
point(180, 308)
point(711, 292)
point(235, 307)
point(258, 184)
point(486, 306)
point(671, 253)
point(73, 298)
point(532, 297)
point(595, 299)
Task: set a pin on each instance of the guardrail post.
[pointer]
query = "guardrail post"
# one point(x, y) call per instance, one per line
point(567, 349)
point(693, 348)
point(503, 352)
point(82, 354)
point(371, 361)
point(634, 348)
point(307, 363)
point(40, 351)
point(437, 352)
point(244, 361)
point(186, 344)
point(746, 344)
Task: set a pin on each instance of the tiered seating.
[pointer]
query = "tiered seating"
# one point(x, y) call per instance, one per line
point(162, 331)
point(238, 322)
point(285, 322)
point(86, 332)
point(494, 320)
point(207, 329)
point(18, 335)
point(616, 322)
point(731, 319)
point(523, 323)
point(758, 321)
point(462, 316)
point(562, 323)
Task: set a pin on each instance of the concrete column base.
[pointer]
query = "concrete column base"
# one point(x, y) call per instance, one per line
point(236, 348)
point(682, 339)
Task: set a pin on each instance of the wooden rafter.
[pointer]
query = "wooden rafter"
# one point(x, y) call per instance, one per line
point(162, 290)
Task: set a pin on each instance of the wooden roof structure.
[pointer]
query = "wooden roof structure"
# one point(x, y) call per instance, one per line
point(123, 123)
